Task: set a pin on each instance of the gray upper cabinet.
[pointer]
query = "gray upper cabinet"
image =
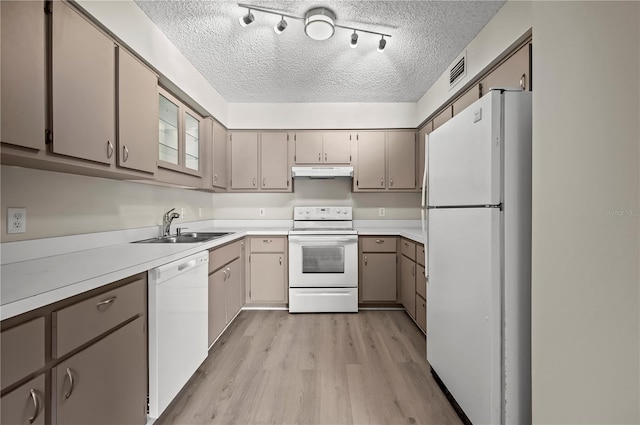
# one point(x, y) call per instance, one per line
point(371, 160)
point(513, 72)
point(422, 151)
point(444, 116)
point(137, 114)
point(23, 73)
point(244, 160)
point(386, 161)
point(274, 167)
point(317, 147)
point(219, 156)
point(181, 132)
point(466, 99)
point(83, 87)
point(401, 160)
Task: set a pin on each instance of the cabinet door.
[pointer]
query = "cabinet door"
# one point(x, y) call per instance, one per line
point(421, 313)
point(244, 160)
point(26, 404)
point(401, 160)
point(192, 142)
point(273, 161)
point(137, 114)
point(234, 295)
point(217, 304)
point(378, 277)
point(337, 147)
point(23, 73)
point(267, 277)
point(308, 147)
point(408, 285)
point(443, 117)
point(83, 85)
point(371, 161)
point(219, 156)
point(105, 383)
point(422, 151)
point(466, 99)
point(514, 72)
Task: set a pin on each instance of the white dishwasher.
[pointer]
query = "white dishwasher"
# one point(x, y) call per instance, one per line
point(178, 327)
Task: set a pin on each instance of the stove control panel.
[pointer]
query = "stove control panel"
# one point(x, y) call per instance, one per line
point(322, 213)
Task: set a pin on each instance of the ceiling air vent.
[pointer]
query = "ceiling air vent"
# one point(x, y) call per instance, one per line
point(458, 70)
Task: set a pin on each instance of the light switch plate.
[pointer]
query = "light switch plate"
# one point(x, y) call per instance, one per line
point(16, 220)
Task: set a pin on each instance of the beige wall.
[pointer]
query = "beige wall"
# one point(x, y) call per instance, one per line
point(316, 192)
point(586, 204)
point(65, 204)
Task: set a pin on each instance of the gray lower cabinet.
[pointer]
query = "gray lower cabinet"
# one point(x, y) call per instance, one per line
point(379, 277)
point(267, 268)
point(25, 404)
point(104, 383)
point(226, 286)
point(408, 285)
point(93, 346)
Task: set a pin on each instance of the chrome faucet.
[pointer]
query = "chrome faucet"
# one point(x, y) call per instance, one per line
point(166, 221)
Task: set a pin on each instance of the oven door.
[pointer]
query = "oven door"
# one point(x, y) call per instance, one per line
point(323, 261)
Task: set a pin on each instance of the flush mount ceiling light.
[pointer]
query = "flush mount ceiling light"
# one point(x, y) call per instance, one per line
point(319, 24)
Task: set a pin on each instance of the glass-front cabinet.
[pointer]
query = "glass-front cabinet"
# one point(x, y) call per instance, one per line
point(179, 135)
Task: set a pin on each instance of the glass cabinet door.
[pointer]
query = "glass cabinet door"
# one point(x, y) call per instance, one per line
point(168, 128)
point(192, 142)
point(179, 135)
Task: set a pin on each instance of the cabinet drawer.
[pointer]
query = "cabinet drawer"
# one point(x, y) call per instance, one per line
point(22, 351)
point(420, 253)
point(421, 313)
point(85, 320)
point(267, 244)
point(408, 248)
point(379, 244)
point(421, 282)
point(224, 255)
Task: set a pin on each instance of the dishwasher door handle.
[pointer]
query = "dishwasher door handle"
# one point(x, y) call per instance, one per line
point(186, 265)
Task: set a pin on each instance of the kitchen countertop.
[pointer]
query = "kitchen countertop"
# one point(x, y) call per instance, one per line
point(31, 283)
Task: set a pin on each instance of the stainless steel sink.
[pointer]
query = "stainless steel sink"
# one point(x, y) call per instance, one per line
point(187, 238)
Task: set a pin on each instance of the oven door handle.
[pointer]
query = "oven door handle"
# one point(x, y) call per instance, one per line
point(321, 238)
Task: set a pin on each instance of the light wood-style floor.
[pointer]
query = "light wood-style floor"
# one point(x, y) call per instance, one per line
point(272, 367)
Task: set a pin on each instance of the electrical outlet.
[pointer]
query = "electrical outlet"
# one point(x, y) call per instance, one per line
point(183, 213)
point(16, 220)
point(381, 212)
point(262, 212)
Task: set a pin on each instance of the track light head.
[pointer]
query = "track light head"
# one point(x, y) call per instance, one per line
point(354, 40)
point(246, 19)
point(382, 44)
point(280, 26)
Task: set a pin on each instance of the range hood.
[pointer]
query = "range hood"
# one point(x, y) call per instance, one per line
point(321, 172)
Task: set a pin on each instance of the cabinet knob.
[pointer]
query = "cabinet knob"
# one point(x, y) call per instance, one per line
point(365, 260)
point(125, 154)
point(228, 273)
point(224, 272)
point(109, 149)
point(254, 181)
point(390, 182)
point(280, 260)
point(379, 241)
point(36, 405)
point(325, 157)
point(264, 181)
point(215, 178)
point(381, 182)
point(319, 157)
point(267, 240)
point(523, 81)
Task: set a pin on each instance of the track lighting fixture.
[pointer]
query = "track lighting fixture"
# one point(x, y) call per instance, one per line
point(280, 26)
point(319, 24)
point(382, 44)
point(354, 40)
point(247, 19)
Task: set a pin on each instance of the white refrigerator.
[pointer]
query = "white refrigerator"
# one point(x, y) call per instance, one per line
point(478, 224)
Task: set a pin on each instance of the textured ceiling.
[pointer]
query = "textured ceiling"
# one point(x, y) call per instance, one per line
point(254, 64)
